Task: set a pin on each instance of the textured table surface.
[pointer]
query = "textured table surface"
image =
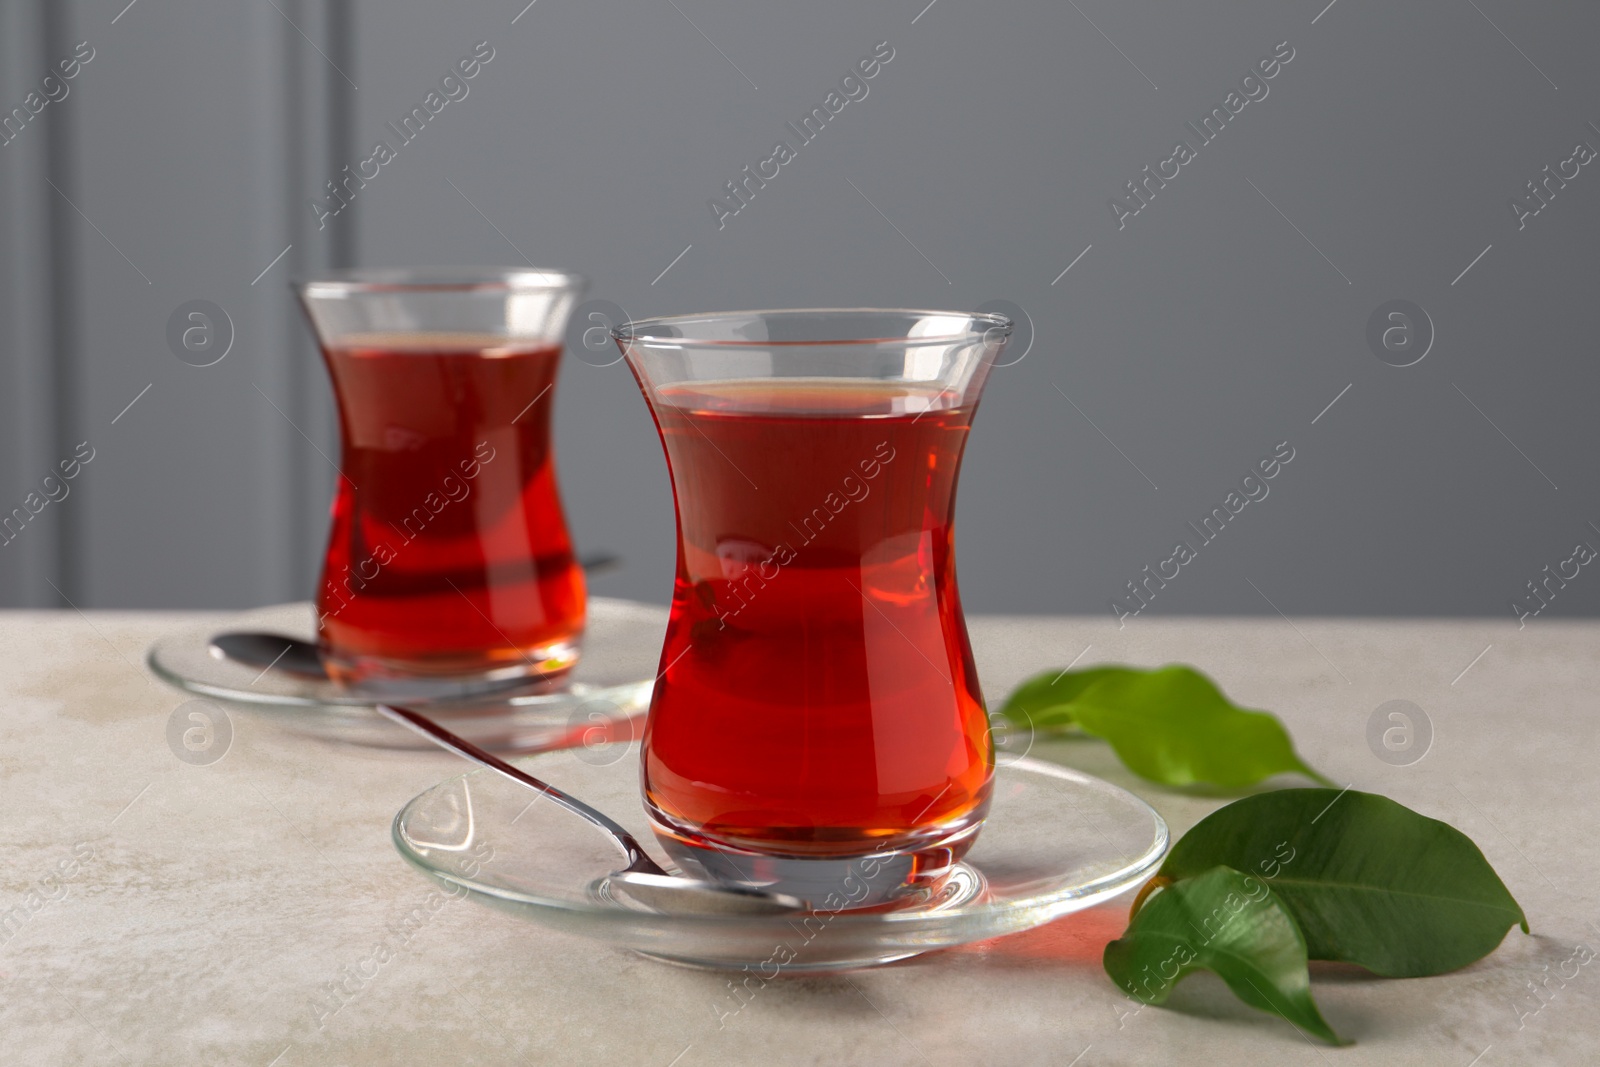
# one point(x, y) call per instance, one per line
point(156, 912)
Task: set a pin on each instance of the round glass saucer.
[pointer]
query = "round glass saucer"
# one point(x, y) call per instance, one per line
point(598, 701)
point(1055, 841)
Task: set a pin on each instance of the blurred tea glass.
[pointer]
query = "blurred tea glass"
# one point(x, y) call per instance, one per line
point(449, 569)
point(817, 723)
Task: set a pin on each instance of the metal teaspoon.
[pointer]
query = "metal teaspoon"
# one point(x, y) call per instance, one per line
point(643, 880)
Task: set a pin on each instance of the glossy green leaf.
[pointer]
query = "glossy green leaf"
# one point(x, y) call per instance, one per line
point(1171, 725)
point(1368, 880)
point(1045, 700)
point(1226, 922)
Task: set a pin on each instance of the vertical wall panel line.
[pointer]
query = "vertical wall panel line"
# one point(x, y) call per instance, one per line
point(65, 290)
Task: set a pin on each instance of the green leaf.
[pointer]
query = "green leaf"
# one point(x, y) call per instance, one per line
point(1226, 922)
point(1368, 880)
point(1171, 725)
point(1045, 700)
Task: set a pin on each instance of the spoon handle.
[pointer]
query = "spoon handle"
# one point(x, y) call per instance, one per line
point(638, 859)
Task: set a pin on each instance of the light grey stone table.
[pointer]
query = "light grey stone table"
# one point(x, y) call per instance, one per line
point(154, 912)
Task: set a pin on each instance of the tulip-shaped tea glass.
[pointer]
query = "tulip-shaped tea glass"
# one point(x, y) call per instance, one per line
point(449, 568)
point(817, 726)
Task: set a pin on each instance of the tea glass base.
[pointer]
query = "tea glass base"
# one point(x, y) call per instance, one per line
point(526, 671)
point(600, 700)
point(912, 873)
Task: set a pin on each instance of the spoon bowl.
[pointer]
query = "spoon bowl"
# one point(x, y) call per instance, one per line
point(269, 651)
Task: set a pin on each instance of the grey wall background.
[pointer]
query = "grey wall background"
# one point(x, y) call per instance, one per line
point(1223, 319)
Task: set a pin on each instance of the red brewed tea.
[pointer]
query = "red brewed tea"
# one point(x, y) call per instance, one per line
point(818, 696)
point(449, 552)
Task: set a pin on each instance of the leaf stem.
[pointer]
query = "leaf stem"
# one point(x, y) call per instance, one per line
point(1160, 881)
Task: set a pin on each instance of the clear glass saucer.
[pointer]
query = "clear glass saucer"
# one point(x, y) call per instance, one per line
point(597, 702)
point(1056, 841)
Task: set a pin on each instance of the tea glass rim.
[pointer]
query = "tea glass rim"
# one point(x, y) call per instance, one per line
point(359, 280)
point(637, 332)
